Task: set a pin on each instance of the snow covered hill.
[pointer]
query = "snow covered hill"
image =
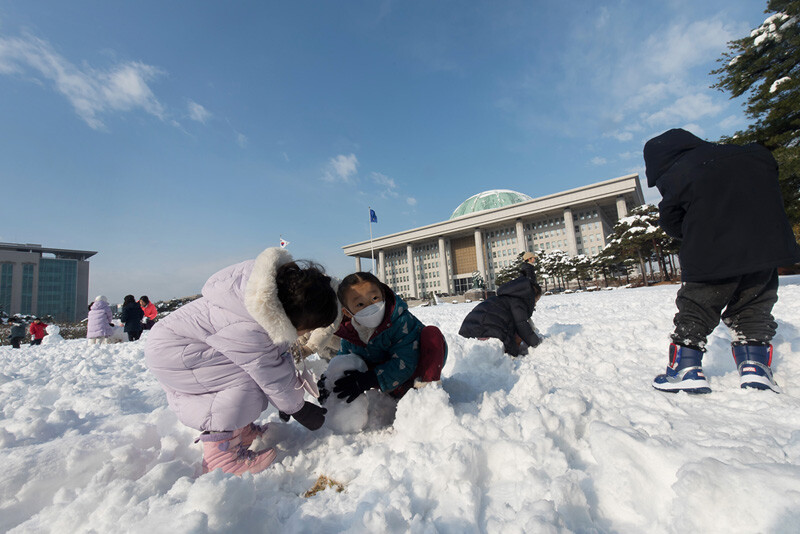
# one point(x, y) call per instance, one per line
point(571, 438)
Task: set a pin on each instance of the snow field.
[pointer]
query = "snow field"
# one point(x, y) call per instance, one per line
point(571, 438)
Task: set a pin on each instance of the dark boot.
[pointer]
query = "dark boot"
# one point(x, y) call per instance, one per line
point(684, 372)
point(753, 363)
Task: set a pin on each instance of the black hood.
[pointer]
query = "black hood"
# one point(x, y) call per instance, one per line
point(521, 288)
point(661, 153)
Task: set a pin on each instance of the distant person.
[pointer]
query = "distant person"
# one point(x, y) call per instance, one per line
point(150, 312)
point(399, 351)
point(131, 317)
point(223, 358)
point(16, 334)
point(37, 331)
point(724, 203)
point(99, 326)
point(506, 316)
point(528, 269)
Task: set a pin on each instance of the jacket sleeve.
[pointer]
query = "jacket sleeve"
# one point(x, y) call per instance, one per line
point(110, 315)
point(321, 336)
point(270, 367)
point(523, 327)
point(404, 355)
point(671, 214)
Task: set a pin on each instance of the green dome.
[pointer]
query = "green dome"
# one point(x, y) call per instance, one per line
point(489, 200)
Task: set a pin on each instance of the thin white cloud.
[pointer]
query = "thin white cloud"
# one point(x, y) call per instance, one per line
point(241, 140)
point(686, 108)
point(732, 123)
point(597, 160)
point(411, 201)
point(620, 135)
point(197, 112)
point(388, 184)
point(683, 46)
point(92, 92)
point(341, 169)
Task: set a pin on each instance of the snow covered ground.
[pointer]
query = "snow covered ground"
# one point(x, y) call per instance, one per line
point(571, 438)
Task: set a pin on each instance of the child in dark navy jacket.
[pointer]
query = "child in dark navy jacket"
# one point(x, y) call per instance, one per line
point(724, 203)
point(397, 348)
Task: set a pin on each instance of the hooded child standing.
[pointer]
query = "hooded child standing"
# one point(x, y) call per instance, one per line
point(98, 326)
point(131, 317)
point(223, 358)
point(724, 203)
point(397, 348)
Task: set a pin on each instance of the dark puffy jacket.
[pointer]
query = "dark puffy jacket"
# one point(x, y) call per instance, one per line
point(132, 317)
point(505, 316)
point(17, 331)
point(723, 202)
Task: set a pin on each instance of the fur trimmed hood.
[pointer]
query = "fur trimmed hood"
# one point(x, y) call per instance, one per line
point(261, 296)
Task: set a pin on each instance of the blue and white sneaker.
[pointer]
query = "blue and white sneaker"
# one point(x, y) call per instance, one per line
point(753, 363)
point(684, 372)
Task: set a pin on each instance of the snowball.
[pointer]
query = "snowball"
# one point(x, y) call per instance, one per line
point(344, 417)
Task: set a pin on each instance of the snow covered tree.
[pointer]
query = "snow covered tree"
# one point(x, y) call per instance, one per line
point(507, 274)
point(638, 236)
point(555, 264)
point(764, 67)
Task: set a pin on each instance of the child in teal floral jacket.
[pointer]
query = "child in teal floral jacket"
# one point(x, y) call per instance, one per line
point(397, 348)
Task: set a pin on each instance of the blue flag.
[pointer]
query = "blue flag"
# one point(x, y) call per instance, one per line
point(372, 217)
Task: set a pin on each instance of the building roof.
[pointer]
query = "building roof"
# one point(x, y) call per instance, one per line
point(489, 200)
point(626, 186)
point(60, 253)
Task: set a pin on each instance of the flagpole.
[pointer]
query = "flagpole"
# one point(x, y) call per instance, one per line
point(372, 250)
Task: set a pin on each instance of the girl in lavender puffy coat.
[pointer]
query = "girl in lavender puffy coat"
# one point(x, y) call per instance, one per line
point(98, 327)
point(223, 358)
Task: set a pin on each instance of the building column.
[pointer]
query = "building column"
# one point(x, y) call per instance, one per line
point(412, 273)
point(358, 264)
point(521, 237)
point(622, 207)
point(479, 255)
point(569, 226)
point(444, 275)
point(382, 266)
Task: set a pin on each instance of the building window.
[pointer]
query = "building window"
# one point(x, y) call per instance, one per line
point(6, 279)
point(26, 305)
point(57, 288)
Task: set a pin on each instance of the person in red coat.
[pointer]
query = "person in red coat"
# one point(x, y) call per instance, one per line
point(37, 331)
point(150, 312)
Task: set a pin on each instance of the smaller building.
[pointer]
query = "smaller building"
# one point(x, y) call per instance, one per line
point(35, 280)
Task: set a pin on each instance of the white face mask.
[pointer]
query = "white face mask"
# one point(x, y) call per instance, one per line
point(372, 315)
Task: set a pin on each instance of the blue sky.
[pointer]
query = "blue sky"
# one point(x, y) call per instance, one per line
point(176, 138)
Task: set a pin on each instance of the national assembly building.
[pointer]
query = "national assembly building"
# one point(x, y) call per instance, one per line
point(488, 230)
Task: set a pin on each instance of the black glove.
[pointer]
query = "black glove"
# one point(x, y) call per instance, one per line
point(284, 416)
point(354, 383)
point(310, 415)
point(322, 386)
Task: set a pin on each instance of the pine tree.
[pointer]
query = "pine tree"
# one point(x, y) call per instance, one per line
point(638, 236)
point(764, 67)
